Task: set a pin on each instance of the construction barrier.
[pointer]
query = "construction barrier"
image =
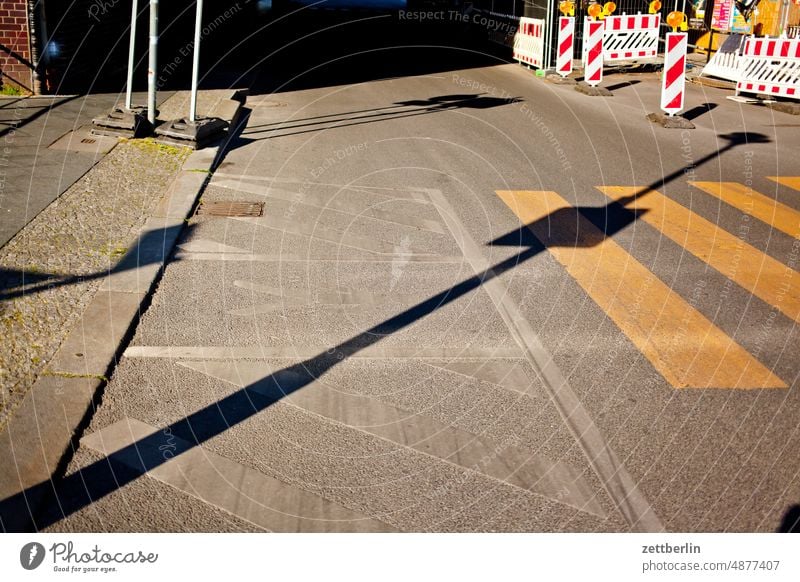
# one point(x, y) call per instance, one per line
point(770, 66)
point(673, 79)
point(566, 36)
point(529, 42)
point(631, 37)
point(593, 51)
point(726, 62)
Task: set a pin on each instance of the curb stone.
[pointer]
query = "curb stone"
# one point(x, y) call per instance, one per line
point(41, 435)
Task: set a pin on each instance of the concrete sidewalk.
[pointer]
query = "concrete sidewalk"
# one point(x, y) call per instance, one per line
point(72, 282)
point(34, 168)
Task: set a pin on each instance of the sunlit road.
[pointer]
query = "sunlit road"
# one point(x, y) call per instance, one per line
point(390, 347)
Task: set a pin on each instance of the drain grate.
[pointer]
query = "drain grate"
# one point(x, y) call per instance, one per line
point(88, 140)
point(231, 209)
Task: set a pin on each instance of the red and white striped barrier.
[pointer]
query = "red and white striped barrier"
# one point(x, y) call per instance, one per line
point(529, 42)
point(566, 36)
point(593, 52)
point(631, 37)
point(771, 66)
point(673, 80)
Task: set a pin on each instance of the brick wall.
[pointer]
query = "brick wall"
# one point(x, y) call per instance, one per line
point(15, 52)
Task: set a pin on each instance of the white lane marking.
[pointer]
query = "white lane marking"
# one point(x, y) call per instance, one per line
point(305, 352)
point(317, 200)
point(263, 258)
point(339, 238)
point(327, 296)
point(210, 246)
point(620, 486)
point(412, 193)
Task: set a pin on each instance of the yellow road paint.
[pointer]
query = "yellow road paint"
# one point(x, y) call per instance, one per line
point(687, 349)
point(764, 208)
point(768, 279)
point(791, 181)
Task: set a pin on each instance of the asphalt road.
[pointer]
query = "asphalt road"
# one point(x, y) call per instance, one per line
point(388, 347)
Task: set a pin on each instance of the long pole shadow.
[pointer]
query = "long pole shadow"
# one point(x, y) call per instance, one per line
point(77, 491)
point(433, 105)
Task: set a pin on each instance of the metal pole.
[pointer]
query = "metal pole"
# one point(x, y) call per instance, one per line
point(152, 66)
point(784, 16)
point(129, 92)
point(198, 24)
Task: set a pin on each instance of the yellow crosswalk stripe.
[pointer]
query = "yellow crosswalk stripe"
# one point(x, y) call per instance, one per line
point(790, 181)
point(687, 349)
point(768, 279)
point(764, 208)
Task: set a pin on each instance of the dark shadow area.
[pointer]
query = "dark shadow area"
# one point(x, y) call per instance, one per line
point(791, 520)
point(699, 110)
point(623, 85)
point(70, 494)
point(286, 47)
point(334, 49)
point(148, 249)
point(398, 110)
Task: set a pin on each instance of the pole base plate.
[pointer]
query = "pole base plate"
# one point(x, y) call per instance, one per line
point(121, 122)
point(195, 134)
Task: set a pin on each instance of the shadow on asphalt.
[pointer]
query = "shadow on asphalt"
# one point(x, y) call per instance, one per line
point(791, 520)
point(398, 110)
point(699, 110)
point(622, 85)
point(66, 495)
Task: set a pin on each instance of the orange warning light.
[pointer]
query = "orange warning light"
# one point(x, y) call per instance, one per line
point(594, 10)
point(655, 6)
point(677, 19)
point(567, 8)
point(609, 8)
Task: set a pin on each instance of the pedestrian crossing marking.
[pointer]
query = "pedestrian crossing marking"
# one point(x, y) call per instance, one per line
point(790, 181)
point(687, 349)
point(764, 208)
point(766, 278)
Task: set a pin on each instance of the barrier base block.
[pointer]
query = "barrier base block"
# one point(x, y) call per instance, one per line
point(670, 121)
point(121, 122)
point(195, 134)
point(587, 89)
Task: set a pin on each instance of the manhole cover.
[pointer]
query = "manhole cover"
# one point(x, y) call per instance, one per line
point(231, 209)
